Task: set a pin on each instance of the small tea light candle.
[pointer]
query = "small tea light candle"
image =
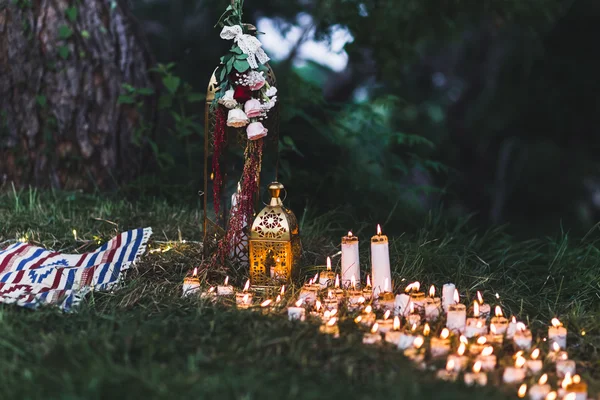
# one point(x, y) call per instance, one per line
point(484, 308)
point(297, 313)
point(448, 374)
point(350, 258)
point(309, 292)
point(517, 373)
point(402, 304)
point(440, 347)
point(330, 302)
point(210, 294)
point(413, 319)
point(327, 315)
point(380, 262)
point(355, 297)
point(368, 290)
point(372, 337)
point(448, 295)
point(460, 360)
point(487, 359)
point(385, 324)
point(476, 377)
point(393, 336)
point(326, 277)
point(512, 328)
point(564, 366)
point(244, 299)
point(406, 340)
point(523, 337)
point(479, 345)
point(386, 300)
point(556, 353)
point(575, 388)
point(414, 352)
point(226, 289)
point(367, 318)
point(417, 298)
point(191, 284)
point(338, 291)
point(499, 321)
point(457, 315)
point(557, 333)
point(432, 305)
point(494, 338)
point(331, 328)
point(535, 365)
point(541, 390)
point(476, 326)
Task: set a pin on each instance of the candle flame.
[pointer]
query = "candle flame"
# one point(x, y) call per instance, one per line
point(211, 289)
point(576, 379)
point(514, 320)
point(543, 379)
point(195, 273)
point(368, 281)
point(418, 342)
point(396, 323)
point(463, 339)
point(332, 321)
point(318, 305)
point(477, 367)
point(282, 290)
point(328, 263)
point(520, 361)
point(479, 324)
point(378, 229)
point(450, 365)
point(461, 349)
point(358, 319)
point(266, 303)
point(368, 309)
point(330, 294)
point(375, 327)
point(278, 299)
point(551, 396)
point(570, 396)
point(337, 281)
point(456, 296)
point(518, 354)
point(556, 323)
point(555, 347)
point(333, 312)
point(386, 284)
point(411, 307)
point(349, 234)
point(361, 300)
point(479, 297)
point(493, 329)
point(535, 354)
point(487, 351)
point(498, 311)
point(413, 327)
point(386, 315)
point(415, 286)
point(226, 280)
point(245, 299)
point(426, 329)
point(564, 355)
point(316, 278)
point(476, 309)
point(445, 333)
point(521, 326)
point(353, 282)
point(567, 381)
point(247, 285)
point(481, 340)
point(522, 390)
point(432, 291)
point(299, 302)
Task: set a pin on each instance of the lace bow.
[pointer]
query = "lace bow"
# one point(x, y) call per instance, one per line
point(248, 44)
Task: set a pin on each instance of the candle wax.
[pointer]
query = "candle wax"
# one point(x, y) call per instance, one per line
point(535, 366)
point(296, 313)
point(385, 325)
point(432, 308)
point(565, 366)
point(460, 362)
point(350, 260)
point(488, 363)
point(475, 378)
point(402, 304)
point(439, 347)
point(380, 264)
point(413, 319)
point(448, 295)
point(476, 327)
point(371, 338)
point(513, 375)
point(558, 335)
point(225, 290)
point(501, 324)
point(539, 392)
point(457, 317)
point(523, 339)
point(393, 337)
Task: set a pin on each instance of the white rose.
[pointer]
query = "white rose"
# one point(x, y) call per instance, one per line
point(227, 100)
point(272, 91)
point(237, 118)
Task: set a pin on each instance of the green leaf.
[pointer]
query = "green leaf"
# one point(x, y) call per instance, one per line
point(242, 57)
point(171, 83)
point(241, 66)
point(71, 13)
point(64, 32)
point(124, 99)
point(41, 100)
point(222, 74)
point(63, 51)
point(165, 101)
point(145, 91)
point(85, 34)
point(236, 50)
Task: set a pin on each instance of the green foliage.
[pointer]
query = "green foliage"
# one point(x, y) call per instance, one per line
point(64, 32)
point(71, 13)
point(64, 51)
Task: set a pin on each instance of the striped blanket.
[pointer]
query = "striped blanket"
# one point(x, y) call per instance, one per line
point(31, 276)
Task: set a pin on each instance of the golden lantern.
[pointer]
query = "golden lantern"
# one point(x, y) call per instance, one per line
point(274, 242)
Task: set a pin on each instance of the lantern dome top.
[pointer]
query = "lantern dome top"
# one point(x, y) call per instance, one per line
point(274, 222)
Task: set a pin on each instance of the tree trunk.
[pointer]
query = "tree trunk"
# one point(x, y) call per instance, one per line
point(62, 67)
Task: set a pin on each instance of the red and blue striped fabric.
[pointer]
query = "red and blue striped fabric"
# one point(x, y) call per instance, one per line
point(31, 276)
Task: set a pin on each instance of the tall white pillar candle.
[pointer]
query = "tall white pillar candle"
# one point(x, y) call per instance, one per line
point(380, 262)
point(350, 259)
point(448, 295)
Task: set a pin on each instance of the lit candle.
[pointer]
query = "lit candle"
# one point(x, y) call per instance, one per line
point(535, 365)
point(416, 296)
point(541, 390)
point(309, 292)
point(499, 321)
point(350, 258)
point(266, 306)
point(380, 262)
point(244, 299)
point(385, 324)
point(575, 388)
point(457, 315)
point(512, 328)
point(338, 291)
point(564, 366)
point(448, 295)
point(517, 373)
point(460, 360)
point(484, 308)
point(210, 294)
point(368, 290)
point(476, 377)
point(331, 328)
point(373, 336)
point(478, 346)
point(407, 339)
point(522, 390)
point(432, 305)
point(523, 337)
point(191, 284)
point(413, 319)
point(330, 302)
point(476, 326)
point(326, 277)
point(557, 333)
point(487, 359)
point(297, 313)
point(494, 338)
point(448, 374)
point(386, 300)
point(393, 336)
point(415, 353)
point(225, 289)
point(367, 318)
point(355, 297)
point(402, 304)
point(440, 347)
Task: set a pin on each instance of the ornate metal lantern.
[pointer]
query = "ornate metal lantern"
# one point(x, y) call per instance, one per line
point(274, 242)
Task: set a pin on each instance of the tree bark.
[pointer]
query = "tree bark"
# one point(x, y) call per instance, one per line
point(62, 67)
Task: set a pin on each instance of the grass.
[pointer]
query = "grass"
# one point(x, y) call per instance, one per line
point(144, 341)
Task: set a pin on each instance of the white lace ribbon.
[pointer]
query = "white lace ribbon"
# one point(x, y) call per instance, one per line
point(248, 44)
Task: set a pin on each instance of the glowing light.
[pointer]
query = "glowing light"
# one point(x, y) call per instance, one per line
point(477, 367)
point(226, 280)
point(432, 291)
point(349, 234)
point(555, 347)
point(556, 323)
point(413, 327)
point(386, 285)
point(487, 351)
point(75, 234)
point(418, 342)
point(521, 326)
point(266, 303)
point(358, 319)
point(463, 339)
point(479, 297)
point(247, 285)
point(456, 296)
point(316, 278)
point(278, 299)
point(551, 396)
point(535, 354)
point(333, 312)
point(498, 311)
point(582, 332)
point(570, 396)
point(415, 286)
point(282, 290)
point(461, 349)
point(375, 327)
point(337, 281)
point(566, 381)
point(353, 282)
point(396, 323)
point(368, 309)
point(299, 302)
point(361, 300)
point(318, 305)
point(195, 273)
point(481, 340)
point(450, 365)
point(378, 229)
point(332, 321)
point(328, 263)
point(543, 379)
point(386, 315)
point(520, 361)
point(329, 294)
point(514, 320)
point(445, 333)
point(368, 281)
point(426, 329)
point(412, 307)
point(522, 390)
point(576, 379)
point(476, 309)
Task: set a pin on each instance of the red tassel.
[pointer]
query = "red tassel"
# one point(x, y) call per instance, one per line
point(218, 144)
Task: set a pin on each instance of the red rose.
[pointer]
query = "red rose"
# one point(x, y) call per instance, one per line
point(242, 94)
